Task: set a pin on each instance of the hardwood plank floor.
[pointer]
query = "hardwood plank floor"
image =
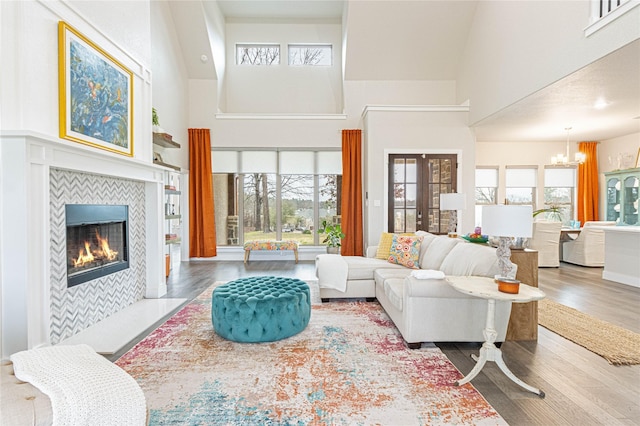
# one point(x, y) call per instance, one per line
point(581, 387)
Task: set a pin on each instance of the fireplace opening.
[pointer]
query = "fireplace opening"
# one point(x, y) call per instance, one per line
point(97, 238)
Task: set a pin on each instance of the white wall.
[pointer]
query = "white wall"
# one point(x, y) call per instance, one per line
point(435, 132)
point(283, 88)
point(170, 88)
point(498, 71)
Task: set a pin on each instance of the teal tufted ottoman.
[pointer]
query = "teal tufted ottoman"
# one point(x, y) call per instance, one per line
point(260, 309)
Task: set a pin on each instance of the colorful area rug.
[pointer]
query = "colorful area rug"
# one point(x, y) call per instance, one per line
point(349, 366)
point(617, 345)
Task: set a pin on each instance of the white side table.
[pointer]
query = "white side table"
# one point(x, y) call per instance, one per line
point(487, 288)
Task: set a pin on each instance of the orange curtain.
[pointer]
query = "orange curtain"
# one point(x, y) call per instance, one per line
point(588, 183)
point(202, 228)
point(351, 206)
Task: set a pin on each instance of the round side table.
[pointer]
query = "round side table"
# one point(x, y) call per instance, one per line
point(487, 288)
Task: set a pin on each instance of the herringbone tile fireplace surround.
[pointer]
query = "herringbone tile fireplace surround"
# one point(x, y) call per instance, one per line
point(75, 308)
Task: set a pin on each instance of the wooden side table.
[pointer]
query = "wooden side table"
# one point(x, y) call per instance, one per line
point(486, 288)
point(523, 322)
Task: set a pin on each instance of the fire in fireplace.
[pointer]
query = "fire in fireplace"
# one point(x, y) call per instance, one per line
point(97, 238)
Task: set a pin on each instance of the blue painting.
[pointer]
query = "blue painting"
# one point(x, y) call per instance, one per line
point(96, 95)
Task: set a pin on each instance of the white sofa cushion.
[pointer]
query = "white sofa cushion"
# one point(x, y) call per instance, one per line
point(383, 274)
point(436, 251)
point(471, 259)
point(362, 268)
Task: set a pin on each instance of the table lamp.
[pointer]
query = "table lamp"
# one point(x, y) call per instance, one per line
point(453, 202)
point(506, 222)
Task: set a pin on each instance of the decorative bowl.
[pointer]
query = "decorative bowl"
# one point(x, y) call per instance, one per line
point(481, 240)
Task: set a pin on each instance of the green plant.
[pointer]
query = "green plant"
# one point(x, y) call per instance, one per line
point(154, 117)
point(333, 234)
point(553, 213)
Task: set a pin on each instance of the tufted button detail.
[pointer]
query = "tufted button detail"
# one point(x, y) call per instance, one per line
point(260, 309)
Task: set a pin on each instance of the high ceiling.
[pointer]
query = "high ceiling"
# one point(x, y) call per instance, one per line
point(423, 25)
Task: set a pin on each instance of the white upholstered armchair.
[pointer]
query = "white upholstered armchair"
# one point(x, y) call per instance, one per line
point(546, 241)
point(588, 248)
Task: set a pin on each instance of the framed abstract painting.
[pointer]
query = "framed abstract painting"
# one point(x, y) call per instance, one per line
point(96, 94)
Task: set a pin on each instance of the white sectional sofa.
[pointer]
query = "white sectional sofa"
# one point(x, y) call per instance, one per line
point(423, 310)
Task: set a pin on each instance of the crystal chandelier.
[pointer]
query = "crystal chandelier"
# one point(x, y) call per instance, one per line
point(563, 160)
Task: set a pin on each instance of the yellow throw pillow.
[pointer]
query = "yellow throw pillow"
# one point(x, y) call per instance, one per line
point(384, 246)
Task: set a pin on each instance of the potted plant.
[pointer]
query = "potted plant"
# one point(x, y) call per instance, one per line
point(155, 121)
point(553, 213)
point(333, 236)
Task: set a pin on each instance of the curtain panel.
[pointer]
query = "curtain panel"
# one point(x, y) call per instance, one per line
point(588, 183)
point(202, 228)
point(352, 243)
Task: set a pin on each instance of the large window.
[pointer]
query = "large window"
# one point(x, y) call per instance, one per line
point(275, 194)
point(257, 54)
point(521, 183)
point(486, 189)
point(559, 191)
point(310, 55)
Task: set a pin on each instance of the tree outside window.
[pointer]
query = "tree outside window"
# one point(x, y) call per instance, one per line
point(257, 54)
point(310, 55)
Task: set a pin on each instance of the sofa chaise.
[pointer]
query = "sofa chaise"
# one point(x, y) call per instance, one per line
point(423, 310)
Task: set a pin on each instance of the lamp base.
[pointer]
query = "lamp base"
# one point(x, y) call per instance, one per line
point(518, 243)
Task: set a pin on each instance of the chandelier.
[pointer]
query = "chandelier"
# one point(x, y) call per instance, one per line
point(563, 159)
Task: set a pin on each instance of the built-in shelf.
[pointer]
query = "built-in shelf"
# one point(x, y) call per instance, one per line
point(171, 166)
point(165, 140)
point(172, 214)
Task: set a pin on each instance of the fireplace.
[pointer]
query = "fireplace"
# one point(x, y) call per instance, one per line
point(97, 241)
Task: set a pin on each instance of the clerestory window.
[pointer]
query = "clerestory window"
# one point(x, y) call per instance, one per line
point(257, 54)
point(310, 55)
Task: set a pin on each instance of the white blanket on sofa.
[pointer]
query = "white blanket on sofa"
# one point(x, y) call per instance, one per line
point(84, 387)
point(332, 271)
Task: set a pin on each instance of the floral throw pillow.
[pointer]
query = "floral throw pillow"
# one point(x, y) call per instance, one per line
point(405, 251)
point(384, 246)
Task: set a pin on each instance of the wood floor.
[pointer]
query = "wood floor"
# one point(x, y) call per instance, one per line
point(581, 387)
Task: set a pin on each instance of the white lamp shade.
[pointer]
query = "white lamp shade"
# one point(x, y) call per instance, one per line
point(453, 201)
point(507, 221)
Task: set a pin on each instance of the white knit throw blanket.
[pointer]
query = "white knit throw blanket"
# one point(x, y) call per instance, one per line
point(84, 387)
point(332, 271)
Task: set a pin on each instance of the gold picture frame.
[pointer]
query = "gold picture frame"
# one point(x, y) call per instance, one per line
point(638, 158)
point(95, 94)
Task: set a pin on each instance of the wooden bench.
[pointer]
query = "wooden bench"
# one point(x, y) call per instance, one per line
point(249, 246)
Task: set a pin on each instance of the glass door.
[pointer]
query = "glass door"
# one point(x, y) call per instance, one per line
point(613, 199)
point(630, 207)
point(415, 184)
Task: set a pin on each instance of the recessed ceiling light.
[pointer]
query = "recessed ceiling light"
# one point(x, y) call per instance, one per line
point(600, 104)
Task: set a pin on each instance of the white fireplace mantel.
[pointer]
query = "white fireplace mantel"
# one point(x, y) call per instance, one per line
point(25, 162)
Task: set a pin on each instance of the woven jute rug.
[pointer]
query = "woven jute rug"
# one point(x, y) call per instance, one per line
point(617, 345)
